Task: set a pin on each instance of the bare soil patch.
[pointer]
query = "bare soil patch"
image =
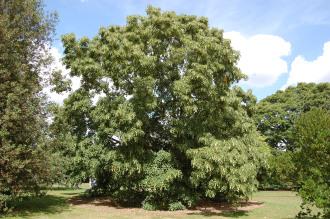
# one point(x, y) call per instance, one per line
point(106, 205)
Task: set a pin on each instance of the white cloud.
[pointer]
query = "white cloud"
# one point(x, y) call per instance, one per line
point(261, 57)
point(317, 70)
point(58, 65)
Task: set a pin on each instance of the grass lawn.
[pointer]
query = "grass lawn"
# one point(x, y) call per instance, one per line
point(66, 203)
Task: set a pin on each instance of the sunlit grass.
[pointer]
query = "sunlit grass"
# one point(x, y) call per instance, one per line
point(56, 204)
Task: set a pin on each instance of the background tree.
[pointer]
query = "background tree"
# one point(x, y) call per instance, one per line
point(169, 127)
point(280, 173)
point(312, 156)
point(276, 114)
point(24, 35)
point(275, 117)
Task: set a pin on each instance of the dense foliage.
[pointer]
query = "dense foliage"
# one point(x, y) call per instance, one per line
point(280, 173)
point(276, 114)
point(312, 156)
point(24, 34)
point(157, 119)
point(275, 117)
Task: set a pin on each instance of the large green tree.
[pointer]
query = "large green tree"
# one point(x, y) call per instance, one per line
point(312, 156)
point(169, 126)
point(275, 117)
point(276, 114)
point(24, 35)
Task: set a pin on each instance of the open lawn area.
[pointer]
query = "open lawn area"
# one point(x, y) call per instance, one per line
point(67, 203)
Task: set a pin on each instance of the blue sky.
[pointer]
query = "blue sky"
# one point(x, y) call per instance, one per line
point(281, 42)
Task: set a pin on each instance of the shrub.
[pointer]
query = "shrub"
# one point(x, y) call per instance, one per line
point(176, 206)
point(312, 142)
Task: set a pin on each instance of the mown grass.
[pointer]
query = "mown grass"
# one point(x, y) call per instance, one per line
point(58, 204)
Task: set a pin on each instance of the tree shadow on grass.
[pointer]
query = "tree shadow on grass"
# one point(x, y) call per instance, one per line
point(205, 209)
point(48, 204)
point(233, 214)
point(306, 217)
point(71, 193)
point(225, 209)
point(96, 201)
point(58, 188)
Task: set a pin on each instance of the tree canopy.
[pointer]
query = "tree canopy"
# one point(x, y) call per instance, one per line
point(312, 156)
point(276, 114)
point(25, 32)
point(275, 117)
point(158, 119)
